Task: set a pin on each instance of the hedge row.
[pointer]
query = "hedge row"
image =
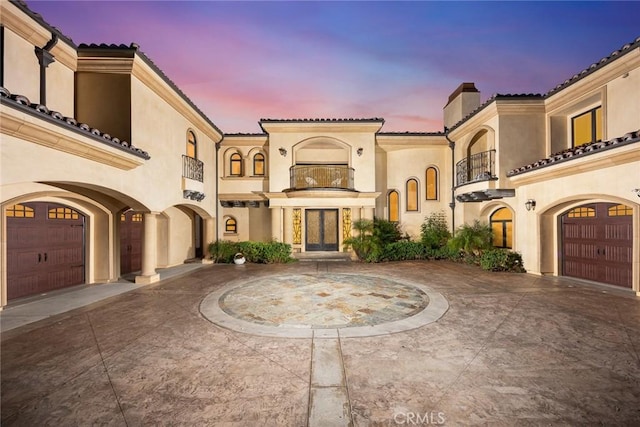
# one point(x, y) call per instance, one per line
point(223, 251)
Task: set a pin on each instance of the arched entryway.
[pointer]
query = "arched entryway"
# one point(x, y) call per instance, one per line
point(597, 243)
point(45, 248)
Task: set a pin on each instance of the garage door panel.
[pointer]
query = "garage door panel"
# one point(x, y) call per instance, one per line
point(622, 232)
point(616, 275)
point(617, 254)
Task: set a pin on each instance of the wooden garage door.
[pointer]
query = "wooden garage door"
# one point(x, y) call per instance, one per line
point(131, 228)
point(45, 248)
point(597, 243)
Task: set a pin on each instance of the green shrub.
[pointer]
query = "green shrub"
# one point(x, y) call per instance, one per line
point(472, 239)
point(444, 252)
point(434, 231)
point(403, 250)
point(222, 251)
point(257, 252)
point(501, 260)
point(385, 231)
point(364, 244)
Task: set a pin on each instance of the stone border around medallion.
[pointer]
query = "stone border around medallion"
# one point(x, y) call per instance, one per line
point(211, 310)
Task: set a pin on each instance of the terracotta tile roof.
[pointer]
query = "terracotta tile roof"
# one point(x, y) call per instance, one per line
point(617, 54)
point(38, 18)
point(578, 152)
point(39, 110)
point(134, 48)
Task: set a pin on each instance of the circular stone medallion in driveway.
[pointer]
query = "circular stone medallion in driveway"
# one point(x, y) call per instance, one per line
point(304, 305)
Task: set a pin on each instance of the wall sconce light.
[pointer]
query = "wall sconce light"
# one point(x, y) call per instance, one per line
point(530, 205)
point(359, 151)
point(637, 191)
point(283, 151)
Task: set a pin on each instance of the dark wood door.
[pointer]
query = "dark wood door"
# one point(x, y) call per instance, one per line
point(597, 243)
point(321, 229)
point(45, 248)
point(131, 228)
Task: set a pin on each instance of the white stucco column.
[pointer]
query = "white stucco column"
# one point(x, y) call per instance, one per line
point(149, 250)
point(288, 226)
point(209, 236)
point(276, 224)
point(367, 213)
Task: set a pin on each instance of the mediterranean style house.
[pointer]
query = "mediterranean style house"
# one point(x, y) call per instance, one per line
point(108, 169)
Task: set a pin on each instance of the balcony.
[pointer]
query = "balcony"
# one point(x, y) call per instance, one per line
point(475, 168)
point(322, 177)
point(192, 168)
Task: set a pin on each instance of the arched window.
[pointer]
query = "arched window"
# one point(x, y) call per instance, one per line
point(620, 210)
point(235, 165)
point(192, 145)
point(20, 211)
point(412, 195)
point(258, 164)
point(231, 225)
point(501, 222)
point(62, 213)
point(393, 205)
point(431, 183)
point(582, 212)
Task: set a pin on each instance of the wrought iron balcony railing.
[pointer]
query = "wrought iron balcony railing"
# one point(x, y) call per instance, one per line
point(475, 168)
point(304, 177)
point(192, 168)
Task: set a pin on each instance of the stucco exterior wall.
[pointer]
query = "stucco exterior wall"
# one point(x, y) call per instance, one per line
point(623, 112)
point(412, 163)
point(23, 76)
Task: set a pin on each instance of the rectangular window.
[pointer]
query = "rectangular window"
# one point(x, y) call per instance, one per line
point(587, 127)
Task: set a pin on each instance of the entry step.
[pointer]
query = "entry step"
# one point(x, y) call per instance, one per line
point(317, 256)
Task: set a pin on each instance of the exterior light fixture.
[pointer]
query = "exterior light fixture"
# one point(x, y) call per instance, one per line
point(283, 151)
point(359, 151)
point(530, 205)
point(637, 191)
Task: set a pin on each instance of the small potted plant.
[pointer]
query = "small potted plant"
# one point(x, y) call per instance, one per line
point(239, 258)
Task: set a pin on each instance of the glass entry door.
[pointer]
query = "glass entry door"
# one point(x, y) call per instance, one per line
point(321, 226)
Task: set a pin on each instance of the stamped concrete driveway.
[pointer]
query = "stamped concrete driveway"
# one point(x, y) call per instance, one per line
point(509, 349)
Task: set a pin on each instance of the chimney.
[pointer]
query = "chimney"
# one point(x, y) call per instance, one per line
point(464, 100)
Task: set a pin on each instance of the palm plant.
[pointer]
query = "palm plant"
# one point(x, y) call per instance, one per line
point(472, 239)
point(364, 244)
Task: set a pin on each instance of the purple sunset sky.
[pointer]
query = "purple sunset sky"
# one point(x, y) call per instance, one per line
point(241, 61)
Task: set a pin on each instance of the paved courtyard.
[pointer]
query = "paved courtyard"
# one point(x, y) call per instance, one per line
point(332, 344)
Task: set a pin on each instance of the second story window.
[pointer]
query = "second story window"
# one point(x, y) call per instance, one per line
point(258, 164)
point(235, 165)
point(192, 145)
point(587, 127)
